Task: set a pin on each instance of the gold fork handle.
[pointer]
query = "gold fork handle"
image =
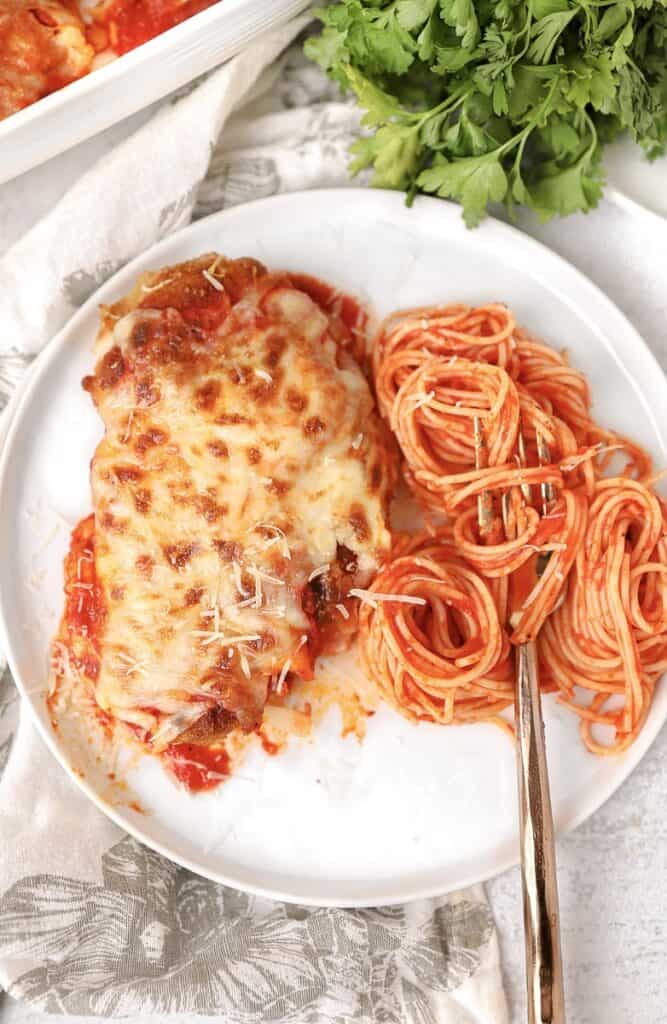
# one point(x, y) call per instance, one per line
point(544, 967)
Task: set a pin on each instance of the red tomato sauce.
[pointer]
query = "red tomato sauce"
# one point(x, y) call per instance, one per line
point(208, 315)
point(133, 22)
point(197, 767)
point(85, 608)
point(268, 745)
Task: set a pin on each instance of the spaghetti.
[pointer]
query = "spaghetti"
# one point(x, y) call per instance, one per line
point(446, 659)
point(609, 636)
point(473, 401)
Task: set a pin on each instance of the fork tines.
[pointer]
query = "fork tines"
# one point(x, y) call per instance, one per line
point(515, 498)
point(485, 499)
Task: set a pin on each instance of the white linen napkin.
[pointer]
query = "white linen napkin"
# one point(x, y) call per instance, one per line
point(92, 922)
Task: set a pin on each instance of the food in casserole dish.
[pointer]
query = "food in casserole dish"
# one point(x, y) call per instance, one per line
point(46, 44)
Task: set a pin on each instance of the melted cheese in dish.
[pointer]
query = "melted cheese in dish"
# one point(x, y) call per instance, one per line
point(46, 44)
point(43, 46)
point(240, 492)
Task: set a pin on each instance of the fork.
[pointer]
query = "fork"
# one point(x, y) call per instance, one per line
point(544, 968)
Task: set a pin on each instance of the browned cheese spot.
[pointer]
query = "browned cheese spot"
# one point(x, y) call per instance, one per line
point(359, 522)
point(279, 487)
point(144, 565)
point(232, 419)
point(274, 349)
point(218, 449)
point(140, 334)
point(207, 395)
point(152, 438)
point(262, 390)
point(209, 508)
point(142, 500)
point(125, 473)
point(146, 392)
point(228, 550)
point(111, 368)
point(113, 523)
point(178, 555)
point(314, 426)
point(296, 401)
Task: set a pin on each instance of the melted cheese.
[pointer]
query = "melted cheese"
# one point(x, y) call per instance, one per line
point(42, 47)
point(243, 464)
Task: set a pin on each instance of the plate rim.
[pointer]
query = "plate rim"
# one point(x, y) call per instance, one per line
point(391, 203)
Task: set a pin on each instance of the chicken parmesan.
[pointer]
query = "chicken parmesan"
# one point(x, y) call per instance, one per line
point(240, 495)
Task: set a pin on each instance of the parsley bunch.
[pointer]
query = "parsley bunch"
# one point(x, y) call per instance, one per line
point(499, 100)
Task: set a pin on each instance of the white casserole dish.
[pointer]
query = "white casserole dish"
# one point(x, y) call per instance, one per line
point(132, 81)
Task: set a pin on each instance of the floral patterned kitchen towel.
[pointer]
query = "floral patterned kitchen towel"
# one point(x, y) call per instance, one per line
point(91, 922)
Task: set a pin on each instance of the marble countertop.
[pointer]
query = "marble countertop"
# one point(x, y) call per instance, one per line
point(612, 869)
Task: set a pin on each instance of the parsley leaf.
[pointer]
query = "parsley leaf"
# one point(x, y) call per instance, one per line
point(474, 181)
point(565, 190)
point(379, 105)
point(486, 101)
point(546, 35)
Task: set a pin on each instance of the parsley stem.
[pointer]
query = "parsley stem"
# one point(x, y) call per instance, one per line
point(450, 104)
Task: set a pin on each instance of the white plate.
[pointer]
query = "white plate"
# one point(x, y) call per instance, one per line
point(413, 810)
point(633, 181)
point(131, 82)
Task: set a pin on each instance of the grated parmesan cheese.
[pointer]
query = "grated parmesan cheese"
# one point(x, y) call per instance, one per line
point(283, 676)
point(226, 641)
point(372, 597)
point(148, 288)
point(128, 428)
point(422, 398)
point(279, 538)
point(80, 559)
point(213, 281)
point(236, 573)
point(139, 667)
